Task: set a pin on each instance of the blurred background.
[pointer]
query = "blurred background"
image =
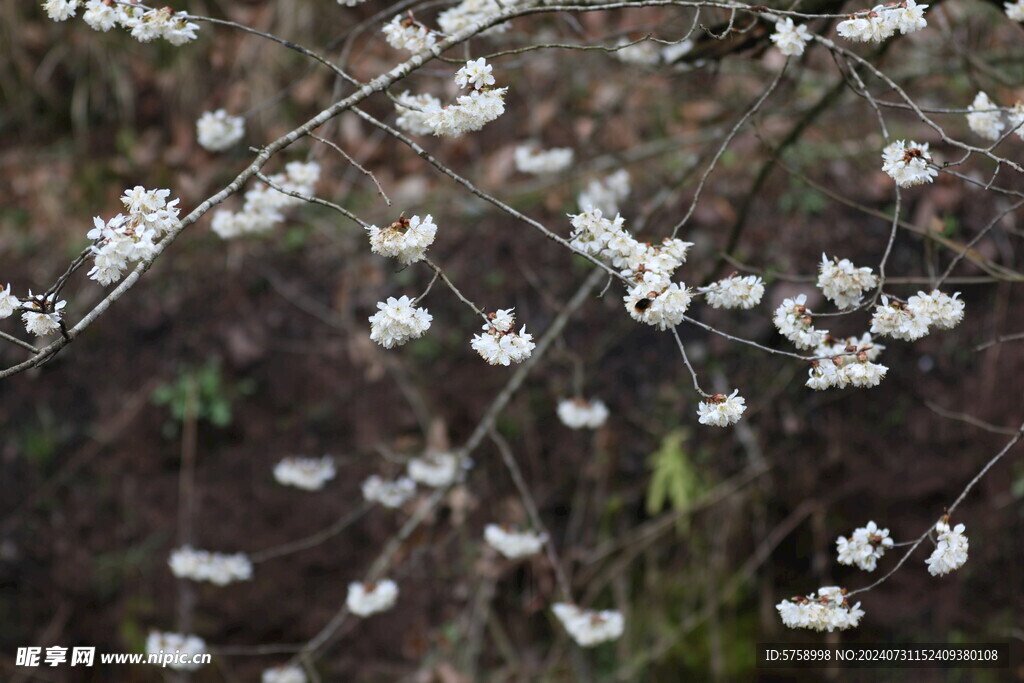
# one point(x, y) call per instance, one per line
point(695, 533)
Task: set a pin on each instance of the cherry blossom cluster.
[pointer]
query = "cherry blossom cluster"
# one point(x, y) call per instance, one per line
point(218, 130)
point(986, 118)
point(793, 320)
point(469, 112)
point(908, 163)
point(844, 284)
point(42, 314)
point(883, 21)
point(144, 24)
point(827, 609)
point(605, 194)
point(406, 239)
point(124, 240)
point(217, 568)
point(734, 292)
point(389, 493)
point(950, 549)
point(1014, 10)
point(472, 12)
point(589, 627)
point(579, 413)
point(413, 111)
point(398, 321)
point(720, 410)
point(531, 159)
point(437, 470)
point(310, 474)
point(369, 598)
point(654, 299)
point(263, 205)
point(912, 320)
point(513, 543)
point(865, 547)
point(188, 646)
point(405, 33)
point(790, 39)
point(500, 344)
point(854, 368)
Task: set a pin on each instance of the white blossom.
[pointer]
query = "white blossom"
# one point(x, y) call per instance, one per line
point(501, 344)
point(43, 315)
point(734, 292)
point(436, 469)
point(721, 410)
point(405, 33)
point(606, 193)
point(101, 16)
point(841, 371)
point(475, 74)
point(950, 549)
point(579, 413)
point(644, 53)
point(512, 543)
point(8, 302)
point(865, 546)
point(794, 322)
point(413, 111)
point(664, 308)
point(843, 283)
point(530, 159)
point(790, 39)
point(824, 610)
point(390, 494)
point(882, 21)
point(365, 599)
point(217, 568)
point(124, 240)
point(838, 347)
point(469, 113)
point(1015, 10)
point(406, 239)
point(60, 10)
point(907, 163)
point(471, 12)
point(398, 321)
point(1016, 114)
point(589, 627)
point(263, 205)
point(898, 321)
point(283, 674)
point(673, 52)
point(985, 119)
point(188, 646)
point(938, 309)
point(218, 130)
point(305, 473)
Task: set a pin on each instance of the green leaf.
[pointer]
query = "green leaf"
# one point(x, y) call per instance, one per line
point(674, 480)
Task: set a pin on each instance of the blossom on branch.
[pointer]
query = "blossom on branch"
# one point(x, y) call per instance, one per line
point(589, 627)
point(734, 292)
point(217, 568)
point(950, 549)
point(218, 130)
point(827, 609)
point(721, 410)
point(843, 283)
point(790, 39)
point(512, 543)
point(579, 413)
point(42, 315)
point(8, 302)
point(406, 239)
point(405, 33)
point(908, 163)
point(530, 159)
point(305, 473)
point(437, 469)
point(793, 320)
point(501, 344)
point(188, 646)
point(390, 494)
point(865, 547)
point(371, 597)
